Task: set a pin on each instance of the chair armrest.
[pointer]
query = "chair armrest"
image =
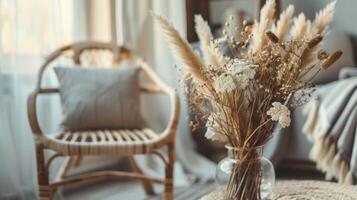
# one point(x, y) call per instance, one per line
point(348, 72)
point(32, 113)
point(153, 77)
point(31, 108)
point(169, 132)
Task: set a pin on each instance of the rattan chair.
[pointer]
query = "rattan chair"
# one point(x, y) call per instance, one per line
point(74, 145)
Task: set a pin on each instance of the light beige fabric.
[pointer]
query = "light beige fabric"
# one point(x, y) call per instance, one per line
point(94, 99)
point(332, 127)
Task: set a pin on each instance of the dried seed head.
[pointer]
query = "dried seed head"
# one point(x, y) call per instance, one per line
point(272, 37)
point(248, 28)
point(314, 41)
point(331, 59)
point(322, 55)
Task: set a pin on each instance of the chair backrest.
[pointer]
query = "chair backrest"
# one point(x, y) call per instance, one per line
point(89, 54)
point(84, 54)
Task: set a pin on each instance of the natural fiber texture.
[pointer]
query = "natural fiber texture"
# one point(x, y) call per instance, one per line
point(291, 190)
point(242, 100)
point(331, 126)
point(282, 26)
point(74, 145)
point(319, 27)
point(212, 56)
point(104, 142)
point(323, 19)
point(300, 27)
point(182, 50)
point(264, 24)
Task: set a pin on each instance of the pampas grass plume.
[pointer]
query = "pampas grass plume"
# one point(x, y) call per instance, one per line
point(299, 28)
point(323, 19)
point(182, 50)
point(259, 39)
point(212, 57)
point(282, 26)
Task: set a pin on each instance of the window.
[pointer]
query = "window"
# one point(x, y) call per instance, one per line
point(35, 27)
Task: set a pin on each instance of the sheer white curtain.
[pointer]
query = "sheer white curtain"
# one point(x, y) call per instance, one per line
point(135, 28)
point(29, 30)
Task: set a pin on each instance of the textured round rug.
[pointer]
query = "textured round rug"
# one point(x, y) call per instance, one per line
point(302, 190)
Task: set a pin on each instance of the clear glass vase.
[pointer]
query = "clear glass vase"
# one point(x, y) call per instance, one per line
point(246, 174)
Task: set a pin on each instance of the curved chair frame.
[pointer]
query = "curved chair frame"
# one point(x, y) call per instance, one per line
point(166, 138)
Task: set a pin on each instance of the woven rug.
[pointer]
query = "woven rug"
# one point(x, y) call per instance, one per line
point(298, 190)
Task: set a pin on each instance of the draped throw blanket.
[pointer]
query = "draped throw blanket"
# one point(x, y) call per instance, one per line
point(332, 127)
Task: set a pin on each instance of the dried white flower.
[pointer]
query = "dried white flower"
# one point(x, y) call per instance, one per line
point(214, 136)
point(211, 134)
point(302, 97)
point(280, 113)
point(243, 81)
point(224, 83)
point(242, 72)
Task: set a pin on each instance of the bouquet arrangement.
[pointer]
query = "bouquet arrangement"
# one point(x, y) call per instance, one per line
point(269, 73)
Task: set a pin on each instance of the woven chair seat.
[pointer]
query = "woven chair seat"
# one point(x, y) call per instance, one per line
point(102, 142)
point(73, 146)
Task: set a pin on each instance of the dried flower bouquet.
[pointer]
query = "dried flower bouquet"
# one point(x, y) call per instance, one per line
point(242, 97)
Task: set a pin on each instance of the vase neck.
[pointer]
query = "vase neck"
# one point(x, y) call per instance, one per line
point(237, 152)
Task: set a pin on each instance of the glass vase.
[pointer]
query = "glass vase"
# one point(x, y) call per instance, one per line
point(246, 174)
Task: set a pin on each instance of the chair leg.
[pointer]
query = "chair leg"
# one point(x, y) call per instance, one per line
point(45, 192)
point(169, 189)
point(77, 161)
point(149, 190)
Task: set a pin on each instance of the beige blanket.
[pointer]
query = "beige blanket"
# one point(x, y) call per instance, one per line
point(332, 127)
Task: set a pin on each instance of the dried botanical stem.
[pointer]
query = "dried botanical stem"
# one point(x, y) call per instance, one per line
point(272, 37)
point(299, 28)
point(183, 51)
point(283, 24)
point(245, 180)
point(319, 26)
point(260, 28)
point(212, 56)
point(323, 19)
point(314, 42)
point(331, 59)
point(307, 55)
point(243, 98)
point(252, 135)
